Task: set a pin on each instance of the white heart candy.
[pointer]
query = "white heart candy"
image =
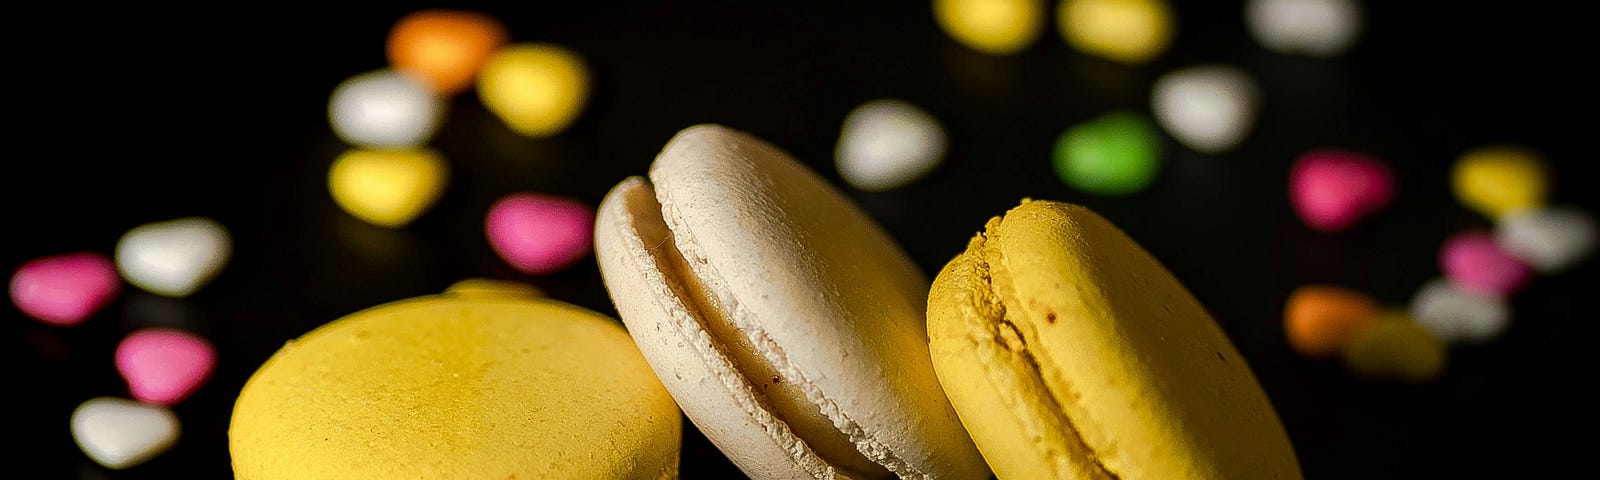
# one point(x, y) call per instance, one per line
point(888, 143)
point(1210, 108)
point(1459, 316)
point(384, 109)
point(1550, 239)
point(174, 257)
point(119, 433)
point(1321, 28)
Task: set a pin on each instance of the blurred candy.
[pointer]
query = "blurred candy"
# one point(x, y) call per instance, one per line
point(1126, 31)
point(1322, 28)
point(537, 89)
point(1333, 189)
point(65, 289)
point(384, 109)
point(888, 143)
point(164, 365)
point(1473, 262)
point(1396, 349)
point(996, 27)
point(389, 188)
point(119, 433)
point(1113, 154)
point(486, 287)
point(1498, 179)
point(1550, 239)
point(1459, 316)
point(173, 257)
point(1319, 320)
point(540, 234)
point(1209, 108)
point(443, 47)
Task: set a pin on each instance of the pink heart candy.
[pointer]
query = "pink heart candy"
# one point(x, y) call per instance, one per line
point(539, 234)
point(1475, 263)
point(65, 289)
point(164, 365)
point(1333, 189)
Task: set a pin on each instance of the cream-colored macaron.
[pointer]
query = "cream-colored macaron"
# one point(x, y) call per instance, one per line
point(787, 324)
point(1070, 352)
point(474, 384)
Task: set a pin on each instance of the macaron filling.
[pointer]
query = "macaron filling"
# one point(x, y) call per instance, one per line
point(780, 396)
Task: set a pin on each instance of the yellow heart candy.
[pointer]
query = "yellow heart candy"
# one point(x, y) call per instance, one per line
point(997, 27)
point(388, 188)
point(537, 89)
point(1126, 31)
point(1499, 179)
point(1396, 349)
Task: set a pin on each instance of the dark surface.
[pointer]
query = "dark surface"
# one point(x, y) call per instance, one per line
point(133, 115)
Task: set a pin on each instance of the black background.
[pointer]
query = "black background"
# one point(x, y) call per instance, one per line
point(135, 114)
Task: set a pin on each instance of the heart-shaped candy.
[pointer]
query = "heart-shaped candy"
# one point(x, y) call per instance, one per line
point(1321, 28)
point(120, 433)
point(537, 89)
point(1473, 261)
point(385, 109)
point(164, 365)
point(65, 289)
point(1459, 316)
point(174, 257)
point(539, 234)
point(888, 143)
point(1210, 108)
point(388, 188)
point(1333, 189)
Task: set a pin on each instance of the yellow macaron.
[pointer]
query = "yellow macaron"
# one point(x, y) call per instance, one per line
point(1069, 351)
point(480, 385)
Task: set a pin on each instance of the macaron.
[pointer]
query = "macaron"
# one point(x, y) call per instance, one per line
point(785, 321)
point(457, 386)
point(1070, 352)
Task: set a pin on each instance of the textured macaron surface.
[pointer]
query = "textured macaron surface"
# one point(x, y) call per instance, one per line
point(1070, 352)
point(457, 387)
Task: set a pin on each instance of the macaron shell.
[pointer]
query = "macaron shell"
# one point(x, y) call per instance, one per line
point(722, 402)
point(1007, 410)
point(820, 288)
point(457, 387)
point(1146, 378)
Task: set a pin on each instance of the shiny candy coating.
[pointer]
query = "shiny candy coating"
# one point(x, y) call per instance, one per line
point(1320, 320)
point(1318, 28)
point(65, 289)
point(119, 433)
point(445, 48)
point(888, 143)
point(1125, 31)
point(1498, 179)
point(388, 188)
point(164, 365)
point(540, 234)
point(537, 89)
point(174, 257)
point(1332, 190)
point(1210, 108)
point(1550, 239)
point(1396, 349)
point(1459, 316)
point(996, 27)
point(1474, 262)
point(1114, 154)
point(384, 109)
